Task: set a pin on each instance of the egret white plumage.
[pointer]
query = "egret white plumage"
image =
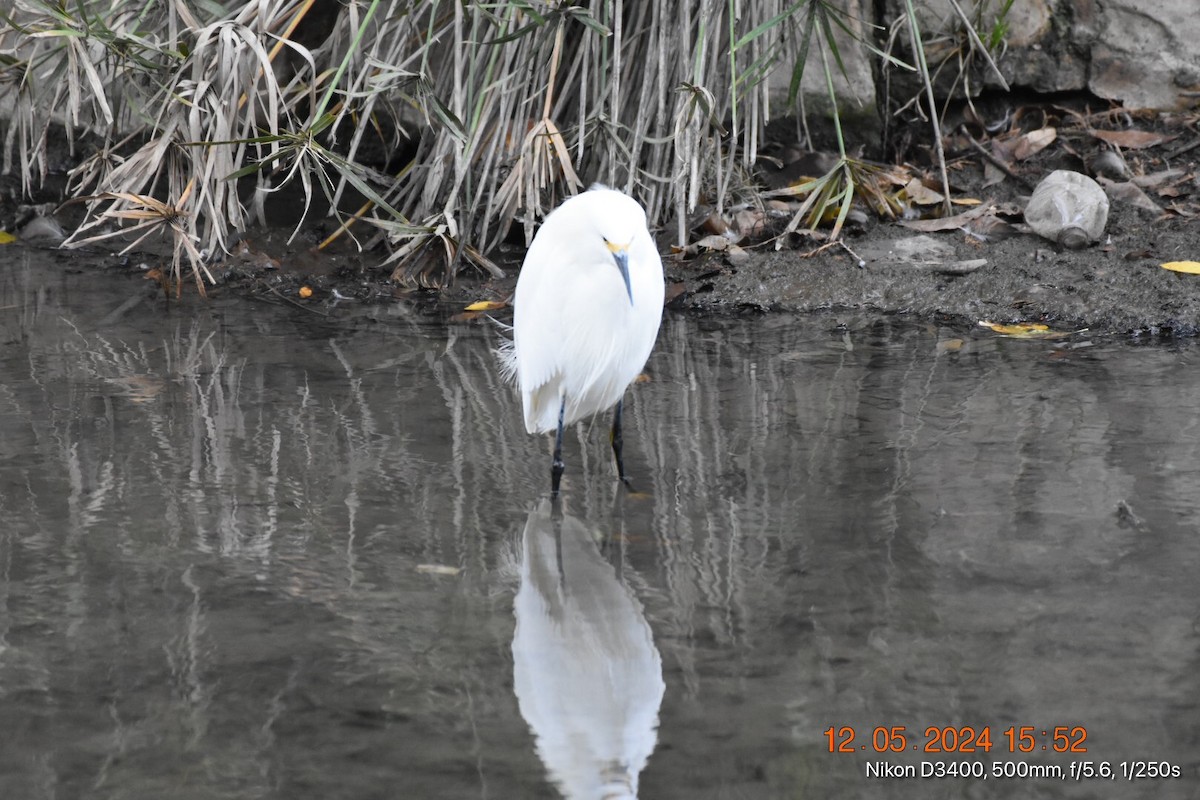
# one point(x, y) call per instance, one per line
point(586, 313)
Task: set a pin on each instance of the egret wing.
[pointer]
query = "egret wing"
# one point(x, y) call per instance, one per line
point(537, 335)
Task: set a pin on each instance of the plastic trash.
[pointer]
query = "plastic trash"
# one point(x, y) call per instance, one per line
point(1068, 208)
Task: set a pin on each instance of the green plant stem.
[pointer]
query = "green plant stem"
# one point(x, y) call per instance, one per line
point(319, 111)
point(837, 117)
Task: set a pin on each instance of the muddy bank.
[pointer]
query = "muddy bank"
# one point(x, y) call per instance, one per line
point(1115, 286)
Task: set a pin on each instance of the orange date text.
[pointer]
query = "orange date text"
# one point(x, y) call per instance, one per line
point(956, 739)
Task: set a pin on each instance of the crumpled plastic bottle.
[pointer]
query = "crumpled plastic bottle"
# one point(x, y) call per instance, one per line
point(1068, 208)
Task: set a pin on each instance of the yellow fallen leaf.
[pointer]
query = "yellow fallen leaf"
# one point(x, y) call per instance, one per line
point(1027, 330)
point(305, 292)
point(7, 238)
point(486, 305)
point(1016, 329)
point(1190, 267)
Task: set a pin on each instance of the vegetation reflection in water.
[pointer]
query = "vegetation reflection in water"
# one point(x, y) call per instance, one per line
point(220, 529)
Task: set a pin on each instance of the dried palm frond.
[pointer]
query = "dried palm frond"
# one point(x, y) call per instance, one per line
point(149, 216)
point(829, 198)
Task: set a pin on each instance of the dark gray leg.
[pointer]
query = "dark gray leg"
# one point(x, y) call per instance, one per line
point(617, 441)
point(557, 466)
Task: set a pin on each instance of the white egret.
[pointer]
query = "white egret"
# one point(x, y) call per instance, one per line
point(586, 313)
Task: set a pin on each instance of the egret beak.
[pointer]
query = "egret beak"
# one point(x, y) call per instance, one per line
point(620, 254)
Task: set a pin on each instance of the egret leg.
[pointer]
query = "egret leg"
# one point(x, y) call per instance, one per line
point(618, 442)
point(556, 519)
point(557, 466)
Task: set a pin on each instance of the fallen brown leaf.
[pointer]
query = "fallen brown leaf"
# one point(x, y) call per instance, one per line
point(959, 220)
point(736, 256)
point(750, 222)
point(713, 242)
point(917, 192)
point(1133, 140)
point(950, 345)
point(1165, 177)
point(1131, 194)
point(715, 224)
point(989, 228)
point(1034, 142)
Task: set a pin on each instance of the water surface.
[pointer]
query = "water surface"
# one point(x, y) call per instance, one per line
point(252, 551)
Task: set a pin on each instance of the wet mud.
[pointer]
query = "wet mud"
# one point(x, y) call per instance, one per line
point(1115, 286)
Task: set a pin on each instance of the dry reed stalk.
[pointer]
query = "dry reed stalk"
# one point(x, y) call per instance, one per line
point(511, 106)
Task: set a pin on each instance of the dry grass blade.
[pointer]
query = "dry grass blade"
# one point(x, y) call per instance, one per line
point(914, 35)
point(977, 45)
point(543, 162)
point(149, 216)
point(501, 110)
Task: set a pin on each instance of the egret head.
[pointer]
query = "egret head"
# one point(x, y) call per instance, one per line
point(620, 221)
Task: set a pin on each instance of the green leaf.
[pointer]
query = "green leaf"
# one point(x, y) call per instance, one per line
point(801, 57)
point(517, 34)
point(585, 16)
point(754, 33)
point(448, 118)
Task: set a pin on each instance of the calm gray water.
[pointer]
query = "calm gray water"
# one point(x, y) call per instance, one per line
point(249, 551)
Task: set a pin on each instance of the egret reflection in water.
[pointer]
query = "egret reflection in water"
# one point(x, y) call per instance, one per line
point(587, 675)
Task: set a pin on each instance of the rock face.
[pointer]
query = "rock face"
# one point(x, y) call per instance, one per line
point(1146, 57)
point(1137, 53)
